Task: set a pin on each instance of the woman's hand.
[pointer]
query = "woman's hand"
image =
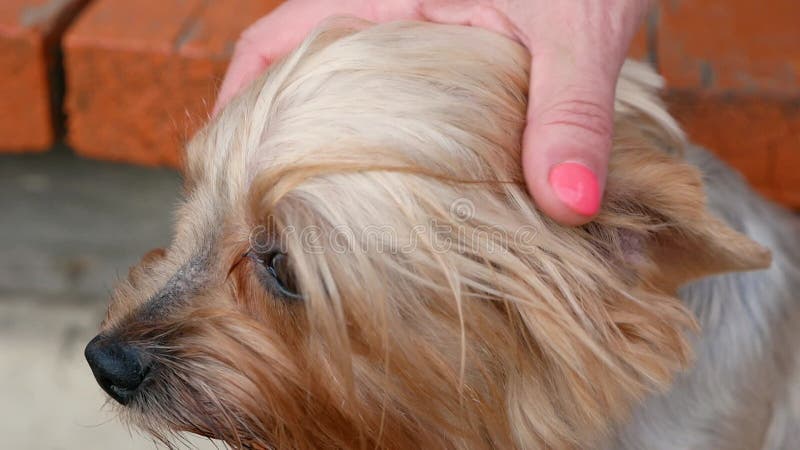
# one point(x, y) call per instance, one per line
point(578, 47)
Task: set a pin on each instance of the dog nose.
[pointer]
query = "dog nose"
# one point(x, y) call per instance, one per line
point(118, 368)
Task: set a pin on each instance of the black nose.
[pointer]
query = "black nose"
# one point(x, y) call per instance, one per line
point(118, 368)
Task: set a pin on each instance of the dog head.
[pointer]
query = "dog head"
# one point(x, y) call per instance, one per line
point(357, 262)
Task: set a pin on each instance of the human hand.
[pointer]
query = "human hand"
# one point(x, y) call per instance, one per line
point(577, 47)
point(280, 31)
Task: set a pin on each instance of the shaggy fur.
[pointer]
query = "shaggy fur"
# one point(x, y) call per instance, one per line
point(345, 157)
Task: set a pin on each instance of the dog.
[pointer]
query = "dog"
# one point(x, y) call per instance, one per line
point(357, 264)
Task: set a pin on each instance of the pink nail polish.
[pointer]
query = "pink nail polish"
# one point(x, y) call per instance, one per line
point(577, 186)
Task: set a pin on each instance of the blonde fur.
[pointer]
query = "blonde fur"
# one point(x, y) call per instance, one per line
point(463, 338)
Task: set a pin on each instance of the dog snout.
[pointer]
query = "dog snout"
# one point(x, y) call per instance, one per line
point(118, 367)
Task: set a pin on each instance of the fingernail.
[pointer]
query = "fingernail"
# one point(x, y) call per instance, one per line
point(577, 186)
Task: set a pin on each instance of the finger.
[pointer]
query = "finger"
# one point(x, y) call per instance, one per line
point(472, 13)
point(243, 68)
point(567, 141)
point(277, 33)
point(264, 41)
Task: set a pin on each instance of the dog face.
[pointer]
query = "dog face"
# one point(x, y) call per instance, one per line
point(357, 262)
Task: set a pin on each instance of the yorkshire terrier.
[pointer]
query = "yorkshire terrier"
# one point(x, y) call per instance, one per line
point(357, 264)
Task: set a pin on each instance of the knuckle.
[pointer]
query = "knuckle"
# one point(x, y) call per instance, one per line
point(588, 116)
point(244, 43)
point(248, 39)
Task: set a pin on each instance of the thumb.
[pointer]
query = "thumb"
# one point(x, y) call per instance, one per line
point(567, 140)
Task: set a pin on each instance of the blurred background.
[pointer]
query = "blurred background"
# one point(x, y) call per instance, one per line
point(97, 98)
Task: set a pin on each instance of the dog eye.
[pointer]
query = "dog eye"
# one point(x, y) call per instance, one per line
point(279, 275)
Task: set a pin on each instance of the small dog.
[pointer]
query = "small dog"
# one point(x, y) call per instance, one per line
point(357, 264)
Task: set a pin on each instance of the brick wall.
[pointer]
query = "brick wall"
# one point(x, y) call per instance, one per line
point(141, 76)
point(29, 60)
point(733, 70)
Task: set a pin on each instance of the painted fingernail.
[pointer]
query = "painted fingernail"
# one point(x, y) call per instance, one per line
point(577, 186)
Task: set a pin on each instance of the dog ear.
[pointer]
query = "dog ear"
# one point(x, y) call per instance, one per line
point(654, 233)
point(671, 237)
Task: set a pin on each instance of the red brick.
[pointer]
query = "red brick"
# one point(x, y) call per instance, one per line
point(723, 45)
point(29, 32)
point(639, 48)
point(758, 136)
point(142, 75)
point(787, 167)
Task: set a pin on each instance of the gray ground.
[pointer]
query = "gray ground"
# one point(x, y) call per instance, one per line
point(68, 228)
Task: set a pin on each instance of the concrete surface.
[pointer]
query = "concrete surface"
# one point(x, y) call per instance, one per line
point(68, 227)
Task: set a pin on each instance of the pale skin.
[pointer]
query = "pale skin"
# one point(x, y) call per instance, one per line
point(577, 48)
